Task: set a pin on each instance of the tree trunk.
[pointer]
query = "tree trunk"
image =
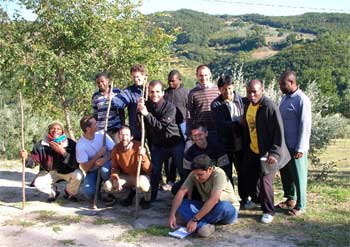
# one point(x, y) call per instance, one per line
point(61, 81)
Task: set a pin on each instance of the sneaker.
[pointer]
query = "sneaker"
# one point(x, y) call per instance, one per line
point(52, 199)
point(250, 205)
point(206, 230)
point(287, 204)
point(266, 218)
point(145, 204)
point(168, 186)
point(69, 197)
point(128, 201)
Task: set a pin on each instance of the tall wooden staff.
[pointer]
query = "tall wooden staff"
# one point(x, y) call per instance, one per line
point(145, 96)
point(23, 159)
point(98, 180)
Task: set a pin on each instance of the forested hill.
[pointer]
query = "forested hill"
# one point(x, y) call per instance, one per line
point(315, 45)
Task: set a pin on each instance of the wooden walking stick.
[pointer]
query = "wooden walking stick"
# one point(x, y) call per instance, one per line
point(23, 159)
point(139, 161)
point(98, 180)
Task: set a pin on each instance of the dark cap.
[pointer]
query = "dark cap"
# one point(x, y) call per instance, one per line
point(202, 161)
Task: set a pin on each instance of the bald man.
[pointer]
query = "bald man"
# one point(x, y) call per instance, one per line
point(265, 148)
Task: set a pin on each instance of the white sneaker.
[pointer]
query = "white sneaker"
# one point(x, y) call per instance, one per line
point(250, 205)
point(206, 230)
point(266, 218)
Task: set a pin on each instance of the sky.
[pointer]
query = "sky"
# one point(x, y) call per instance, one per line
point(231, 7)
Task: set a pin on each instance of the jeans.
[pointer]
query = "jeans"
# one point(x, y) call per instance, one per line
point(158, 156)
point(88, 187)
point(222, 213)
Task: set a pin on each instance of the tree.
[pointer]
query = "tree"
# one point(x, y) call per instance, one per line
point(71, 40)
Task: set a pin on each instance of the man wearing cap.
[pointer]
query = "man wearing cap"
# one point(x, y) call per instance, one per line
point(55, 154)
point(218, 204)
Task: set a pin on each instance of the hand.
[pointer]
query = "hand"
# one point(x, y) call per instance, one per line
point(191, 226)
point(142, 151)
point(298, 155)
point(141, 107)
point(100, 162)
point(102, 151)
point(271, 159)
point(172, 222)
point(58, 148)
point(23, 154)
point(116, 185)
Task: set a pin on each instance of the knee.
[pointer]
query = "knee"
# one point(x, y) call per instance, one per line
point(88, 191)
point(228, 210)
point(77, 175)
point(107, 186)
point(144, 183)
point(105, 173)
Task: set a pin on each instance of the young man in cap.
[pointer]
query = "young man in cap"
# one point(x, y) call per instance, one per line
point(218, 204)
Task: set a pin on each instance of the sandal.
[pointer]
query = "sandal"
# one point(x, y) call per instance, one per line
point(287, 204)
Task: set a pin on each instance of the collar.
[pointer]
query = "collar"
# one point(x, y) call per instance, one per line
point(295, 93)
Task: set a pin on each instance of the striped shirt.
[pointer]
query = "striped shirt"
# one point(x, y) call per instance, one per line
point(199, 111)
point(99, 109)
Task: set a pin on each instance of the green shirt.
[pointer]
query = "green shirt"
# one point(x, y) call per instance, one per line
point(217, 181)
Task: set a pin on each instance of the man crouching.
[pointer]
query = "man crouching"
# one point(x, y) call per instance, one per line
point(125, 156)
point(217, 196)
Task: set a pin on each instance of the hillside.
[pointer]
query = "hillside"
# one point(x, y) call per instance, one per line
point(315, 45)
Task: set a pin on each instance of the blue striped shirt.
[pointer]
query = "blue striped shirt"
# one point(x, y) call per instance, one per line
point(99, 109)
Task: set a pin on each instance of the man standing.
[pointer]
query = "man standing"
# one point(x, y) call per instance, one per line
point(295, 110)
point(218, 204)
point(130, 96)
point(125, 156)
point(199, 100)
point(176, 94)
point(92, 154)
point(227, 110)
point(100, 105)
point(162, 132)
point(264, 140)
point(55, 153)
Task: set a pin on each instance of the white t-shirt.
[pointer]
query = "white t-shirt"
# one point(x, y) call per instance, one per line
point(86, 149)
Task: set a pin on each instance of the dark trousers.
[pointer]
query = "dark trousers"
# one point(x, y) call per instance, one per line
point(237, 159)
point(158, 156)
point(259, 187)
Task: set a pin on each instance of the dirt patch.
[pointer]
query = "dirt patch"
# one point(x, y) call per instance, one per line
point(65, 223)
point(264, 52)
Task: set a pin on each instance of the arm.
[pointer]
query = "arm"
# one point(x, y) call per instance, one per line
point(175, 206)
point(207, 207)
point(86, 166)
point(304, 127)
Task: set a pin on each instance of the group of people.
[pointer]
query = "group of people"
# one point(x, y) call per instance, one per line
point(198, 136)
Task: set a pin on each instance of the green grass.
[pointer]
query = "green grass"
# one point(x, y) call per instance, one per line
point(16, 222)
point(67, 242)
point(102, 221)
point(56, 229)
point(135, 235)
point(51, 218)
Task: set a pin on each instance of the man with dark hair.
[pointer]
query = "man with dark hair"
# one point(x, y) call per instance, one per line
point(295, 108)
point(92, 154)
point(199, 100)
point(55, 154)
point(130, 96)
point(265, 149)
point(176, 94)
point(100, 104)
point(218, 204)
point(125, 157)
point(162, 132)
point(227, 110)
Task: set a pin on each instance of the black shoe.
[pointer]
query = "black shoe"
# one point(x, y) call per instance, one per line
point(52, 199)
point(145, 204)
point(128, 201)
point(69, 197)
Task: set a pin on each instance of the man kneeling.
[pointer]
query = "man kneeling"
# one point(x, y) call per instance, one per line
point(125, 156)
point(217, 196)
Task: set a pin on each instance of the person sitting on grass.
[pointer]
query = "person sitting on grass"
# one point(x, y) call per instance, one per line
point(219, 204)
point(55, 154)
point(125, 156)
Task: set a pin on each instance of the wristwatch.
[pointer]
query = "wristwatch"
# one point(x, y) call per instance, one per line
point(194, 219)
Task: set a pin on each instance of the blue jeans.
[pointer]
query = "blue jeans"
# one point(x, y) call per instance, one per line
point(88, 187)
point(158, 156)
point(223, 212)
